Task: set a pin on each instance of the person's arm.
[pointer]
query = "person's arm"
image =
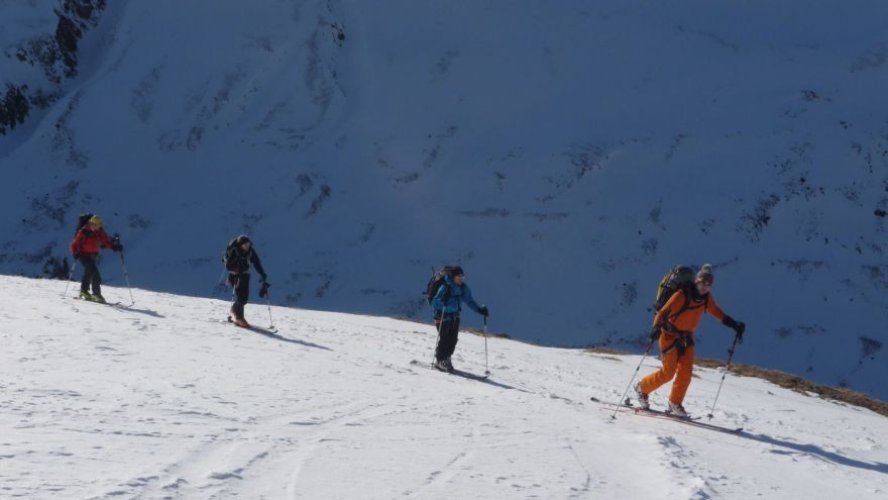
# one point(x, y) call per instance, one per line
point(470, 301)
point(713, 309)
point(667, 308)
point(738, 326)
point(254, 258)
point(104, 240)
point(438, 302)
point(77, 243)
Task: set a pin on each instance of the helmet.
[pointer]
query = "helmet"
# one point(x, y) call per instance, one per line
point(95, 219)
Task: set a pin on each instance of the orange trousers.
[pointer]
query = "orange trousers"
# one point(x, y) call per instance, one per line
point(672, 364)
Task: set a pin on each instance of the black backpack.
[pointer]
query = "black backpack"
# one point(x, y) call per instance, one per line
point(437, 280)
point(82, 220)
point(678, 278)
point(230, 252)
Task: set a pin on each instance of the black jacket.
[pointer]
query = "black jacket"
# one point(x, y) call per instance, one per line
point(238, 261)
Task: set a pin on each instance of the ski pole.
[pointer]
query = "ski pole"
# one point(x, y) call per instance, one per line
point(126, 277)
point(727, 366)
point(70, 277)
point(438, 341)
point(268, 303)
point(637, 368)
point(486, 366)
point(220, 288)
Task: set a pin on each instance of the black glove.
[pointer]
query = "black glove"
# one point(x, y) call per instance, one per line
point(77, 256)
point(437, 316)
point(116, 245)
point(655, 333)
point(484, 311)
point(741, 327)
point(263, 290)
point(738, 326)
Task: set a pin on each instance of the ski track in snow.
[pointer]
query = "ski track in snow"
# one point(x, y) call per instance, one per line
point(153, 401)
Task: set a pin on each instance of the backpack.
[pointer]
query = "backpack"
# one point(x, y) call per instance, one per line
point(678, 278)
point(82, 220)
point(230, 252)
point(436, 281)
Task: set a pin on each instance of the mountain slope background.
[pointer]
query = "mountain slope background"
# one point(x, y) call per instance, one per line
point(565, 153)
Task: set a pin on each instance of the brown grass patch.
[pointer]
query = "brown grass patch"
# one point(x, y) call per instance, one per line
point(800, 385)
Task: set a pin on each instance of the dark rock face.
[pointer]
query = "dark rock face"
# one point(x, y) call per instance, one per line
point(56, 55)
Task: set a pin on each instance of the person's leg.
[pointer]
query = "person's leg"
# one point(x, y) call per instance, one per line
point(242, 295)
point(87, 265)
point(448, 337)
point(655, 380)
point(683, 375)
point(96, 280)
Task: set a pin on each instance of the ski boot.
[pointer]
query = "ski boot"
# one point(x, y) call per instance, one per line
point(97, 297)
point(86, 296)
point(676, 410)
point(444, 365)
point(642, 398)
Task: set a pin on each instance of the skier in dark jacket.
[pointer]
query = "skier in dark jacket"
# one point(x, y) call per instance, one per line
point(238, 257)
point(447, 305)
point(85, 247)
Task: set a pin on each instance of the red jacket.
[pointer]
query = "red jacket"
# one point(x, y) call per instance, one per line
point(88, 242)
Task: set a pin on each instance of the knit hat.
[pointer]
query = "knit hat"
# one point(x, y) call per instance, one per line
point(456, 271)
point(705, 274)
point(95, 219)
point(243, 239)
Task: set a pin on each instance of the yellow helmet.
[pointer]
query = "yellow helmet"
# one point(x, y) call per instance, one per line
point(95, 219)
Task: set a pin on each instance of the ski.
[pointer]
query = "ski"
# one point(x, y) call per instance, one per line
point(694, 421)
point(259, 329)
point(458, 373)
point(99, 303)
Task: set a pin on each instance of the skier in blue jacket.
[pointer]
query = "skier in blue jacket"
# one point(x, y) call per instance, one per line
point(447, 305)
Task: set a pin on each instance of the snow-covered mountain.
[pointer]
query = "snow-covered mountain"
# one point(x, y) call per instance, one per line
point(567, 153)
point(161, 400)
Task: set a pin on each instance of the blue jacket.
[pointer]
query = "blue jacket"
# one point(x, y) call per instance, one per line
point(457, 295)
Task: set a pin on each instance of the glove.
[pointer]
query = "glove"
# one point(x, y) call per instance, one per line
point(76, 255)
point(263, 290)
point(117, 246)
point(655, 333)
point(484, 311)
point(741, 327)
point(738, 326)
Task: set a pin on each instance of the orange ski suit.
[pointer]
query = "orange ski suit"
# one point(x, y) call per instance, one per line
point(678, 331)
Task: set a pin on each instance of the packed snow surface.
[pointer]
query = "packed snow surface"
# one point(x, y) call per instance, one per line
point(161, 399)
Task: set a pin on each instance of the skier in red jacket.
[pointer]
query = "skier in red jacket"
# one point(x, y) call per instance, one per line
point(88, 240)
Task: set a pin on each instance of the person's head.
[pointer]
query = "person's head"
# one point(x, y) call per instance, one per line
point(95, 222)
point(704, 280)
point(458, 275)
point(244, 242)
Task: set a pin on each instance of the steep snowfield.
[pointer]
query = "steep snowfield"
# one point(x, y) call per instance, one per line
point(566, 152)
point(160, 400)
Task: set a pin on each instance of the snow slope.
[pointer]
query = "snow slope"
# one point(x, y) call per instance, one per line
point(565, 152)
point(160, 400)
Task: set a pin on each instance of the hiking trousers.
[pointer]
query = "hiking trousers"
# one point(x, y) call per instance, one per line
point(241, 287)
point(675, 364)
point(91, 276)
point(448, 329)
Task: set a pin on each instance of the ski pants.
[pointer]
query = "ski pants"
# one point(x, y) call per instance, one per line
point(91, 275)
point(678, 363)
point(448, 329)
point(241, 285)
